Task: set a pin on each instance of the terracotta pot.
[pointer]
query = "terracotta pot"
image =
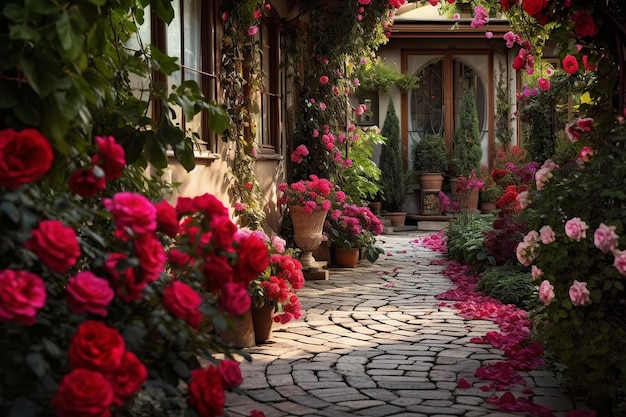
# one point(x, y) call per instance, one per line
point(263, 320)
point(322, 253)
point(487, 207)
point(397, 218)
point(243, 334)
point(307, 232)
point(347, 258)
point(430, 181)
point(376, 206)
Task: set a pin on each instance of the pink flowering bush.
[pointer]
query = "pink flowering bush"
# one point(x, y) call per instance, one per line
point(312, 194)
point(110, 299)
point(576, 249)
point(352, 226)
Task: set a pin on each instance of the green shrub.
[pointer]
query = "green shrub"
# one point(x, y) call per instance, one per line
point(430, 155)
point(465, 237)
point(393, 179)
point(509, 284)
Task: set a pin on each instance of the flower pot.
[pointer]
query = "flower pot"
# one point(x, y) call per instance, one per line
point(322, 253)
point(307, 232)
point(487, 207)
point(242, 336)
point(430, 181)
point(263, 320)
point(376, 206)
point(397, 218)
point(347, 258)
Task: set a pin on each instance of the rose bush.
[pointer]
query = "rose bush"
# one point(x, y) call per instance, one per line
point(98, 305)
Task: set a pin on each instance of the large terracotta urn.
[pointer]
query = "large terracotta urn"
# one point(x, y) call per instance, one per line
point(307, 232)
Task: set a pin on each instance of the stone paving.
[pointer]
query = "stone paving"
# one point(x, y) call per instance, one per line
point(375, 342)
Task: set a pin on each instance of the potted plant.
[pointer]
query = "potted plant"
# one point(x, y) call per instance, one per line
point(273, 292)
point(394, 181)
point(309, 202)
point(352, 227)
point(430, 161)
point(488, 196)
point(467, 152)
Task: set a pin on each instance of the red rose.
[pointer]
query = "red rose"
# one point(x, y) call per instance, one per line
point(206, 203)
point(85, 183)
point(584, 25)
point(535, 8)
point(54, 244)
point(23, 294)
point(223, 232)
point(217, 272)
point(570, 64)
point(128, 286)
point(127, 378)
point(133, 211)
point(231, 373)
point(96, 346)
point(519, 62)
point(183, 302)
point(167, 219)
point(151, 256)
point(234, 299)
point(110, 157)
point(25, 156)
point(179, 258)
point(253, 259)
point(206, 394)
point(87, 293)
point(83, 392)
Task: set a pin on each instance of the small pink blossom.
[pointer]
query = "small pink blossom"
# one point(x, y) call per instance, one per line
point(542, 176)
point(356, 82)
point(620, 261)
point(481, 17)
point(546, 292)
point(575, 229)
point(547, 234)
point(605, 238)
point(523, 199)
point(535, 272)
point(544, 84)
point(488, 35)
point(252, 30)
point(324, 79)
point(322, 106)
point(578, 293)
point(585, 154)
point(456, 17)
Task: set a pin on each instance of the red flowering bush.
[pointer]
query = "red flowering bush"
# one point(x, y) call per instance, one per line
point(278, 283)
point(100, 304)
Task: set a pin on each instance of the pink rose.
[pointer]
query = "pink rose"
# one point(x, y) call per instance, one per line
point(23, 294)
point(54, 244)
point(230, 373)
point(132, 211)
point(578, 293)
point(234, 299)
point(110, 157)
point(542, 176)
point(324, 79)
point(83, 392)
point(535, 272)
point(575, 229)
point(546, 292)
point(87, 293)
point(605, 238)
point(544, 84)
point(523, 199)
point(183, 302)
point(620, 261)
point(128, 286)
point(546, 234)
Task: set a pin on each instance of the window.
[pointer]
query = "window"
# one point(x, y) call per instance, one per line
point(434, 107)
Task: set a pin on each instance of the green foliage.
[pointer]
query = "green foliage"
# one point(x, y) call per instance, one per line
point(587, 339)
point(430, 155)
point(465, 236)
point(375, 75)
point(467, 152)
point(65, 72)
point(491, 193)
point(509, 284)
point(393, 179)
point(360, 181)
point(504, 131)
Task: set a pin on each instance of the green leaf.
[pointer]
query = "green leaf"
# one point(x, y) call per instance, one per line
point(163, 9)
point(184, 154)
point(181, 369)
point(24, 33)
point(39, 67)
point(8, 94)
point(36, 363)
point(134, 336)
point(71, 40)
point(219, 120)
point(44, 7)
point(23, 407)
point(51, 348)
point(14, 12)
point(162, 62)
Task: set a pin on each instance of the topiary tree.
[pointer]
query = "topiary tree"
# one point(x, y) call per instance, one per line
point(467, 152)
point(393, 180)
